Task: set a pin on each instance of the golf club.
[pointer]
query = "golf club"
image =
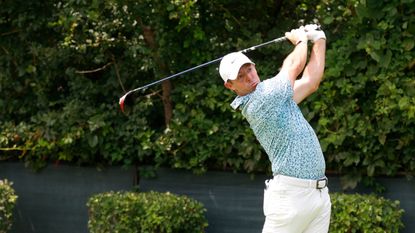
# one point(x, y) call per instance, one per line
point(126, 98)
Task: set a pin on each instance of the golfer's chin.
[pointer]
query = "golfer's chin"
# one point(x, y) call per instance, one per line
point(253, 86)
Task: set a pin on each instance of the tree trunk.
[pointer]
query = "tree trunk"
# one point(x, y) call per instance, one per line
point(150, 38)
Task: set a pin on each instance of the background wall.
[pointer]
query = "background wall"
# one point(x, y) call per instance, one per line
point(54, 200)
point(234, 201)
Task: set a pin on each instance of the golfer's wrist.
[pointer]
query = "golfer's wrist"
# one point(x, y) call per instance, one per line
point(317, 35)
point(301, 41)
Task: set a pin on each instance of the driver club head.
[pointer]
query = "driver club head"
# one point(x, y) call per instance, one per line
point(126, 102)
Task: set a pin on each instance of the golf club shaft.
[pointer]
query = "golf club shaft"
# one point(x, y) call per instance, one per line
point(205, 64)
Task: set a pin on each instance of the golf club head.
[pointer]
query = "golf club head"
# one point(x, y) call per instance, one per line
point(126, 102)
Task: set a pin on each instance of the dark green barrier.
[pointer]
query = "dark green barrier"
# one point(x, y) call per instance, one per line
point(234, 200)
point(54, 199)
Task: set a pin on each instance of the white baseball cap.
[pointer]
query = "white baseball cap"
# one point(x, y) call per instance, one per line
point(230, 65)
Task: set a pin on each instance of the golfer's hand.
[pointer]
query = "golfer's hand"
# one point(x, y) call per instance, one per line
point(297, 35)
point(314, 33)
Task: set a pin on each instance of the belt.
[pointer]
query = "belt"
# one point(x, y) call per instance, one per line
point(305, 183)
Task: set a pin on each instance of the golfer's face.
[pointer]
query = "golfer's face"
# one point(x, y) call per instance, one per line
point(246, 81)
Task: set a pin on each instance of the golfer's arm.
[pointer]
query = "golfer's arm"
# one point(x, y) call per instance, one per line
point(294, 63)
point(313, 72)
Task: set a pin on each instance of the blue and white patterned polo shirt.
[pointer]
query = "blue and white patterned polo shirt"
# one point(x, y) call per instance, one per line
point(279, 125)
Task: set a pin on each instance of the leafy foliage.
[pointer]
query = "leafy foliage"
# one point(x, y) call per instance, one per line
point(364, 213)
point(145, 213)
point(365, 106)
point(65, 64)
point(8, 200)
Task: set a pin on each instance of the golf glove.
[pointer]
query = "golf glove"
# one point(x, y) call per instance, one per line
point(297, 35)
point(314, 32)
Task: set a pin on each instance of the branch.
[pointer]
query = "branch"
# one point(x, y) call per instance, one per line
point(153, 94)
point(93, 71)
point(9, 33)
point(13, 149)
point(117, 72)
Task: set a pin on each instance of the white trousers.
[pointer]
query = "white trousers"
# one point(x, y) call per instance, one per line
point(293, 205)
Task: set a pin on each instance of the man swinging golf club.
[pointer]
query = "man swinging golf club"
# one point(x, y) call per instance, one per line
point(296, 199)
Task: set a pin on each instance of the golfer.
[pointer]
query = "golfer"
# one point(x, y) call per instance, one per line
point(296, 199)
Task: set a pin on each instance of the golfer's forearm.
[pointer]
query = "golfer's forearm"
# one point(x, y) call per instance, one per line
point(296, 60)
point(315, 67)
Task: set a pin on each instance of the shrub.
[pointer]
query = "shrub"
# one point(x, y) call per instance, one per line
point(7, 203)
point(149, 212)
point(364, 213)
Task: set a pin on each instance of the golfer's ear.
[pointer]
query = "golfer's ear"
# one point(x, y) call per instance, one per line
point(228, 85)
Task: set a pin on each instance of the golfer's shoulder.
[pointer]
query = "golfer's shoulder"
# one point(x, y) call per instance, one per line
point(280, 79)
point(278, 86)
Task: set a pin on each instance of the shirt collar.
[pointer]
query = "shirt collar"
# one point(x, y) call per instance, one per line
point(239, 100)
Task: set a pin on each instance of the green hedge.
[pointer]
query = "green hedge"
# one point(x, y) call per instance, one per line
point(7, 202)
point(164, 212)
point(149, 212)
point(364, 213)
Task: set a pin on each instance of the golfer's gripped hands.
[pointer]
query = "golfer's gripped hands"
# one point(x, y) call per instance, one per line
point(297, 35)
point(314, 33)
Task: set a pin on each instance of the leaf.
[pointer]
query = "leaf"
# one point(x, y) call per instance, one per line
point(386, 59)
point(328, 20)
point(93, 141)
point(374, 54)
point(403, 103)
point(370, 170)
point(408, 44)
point(361, 10)
point(382, 139)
